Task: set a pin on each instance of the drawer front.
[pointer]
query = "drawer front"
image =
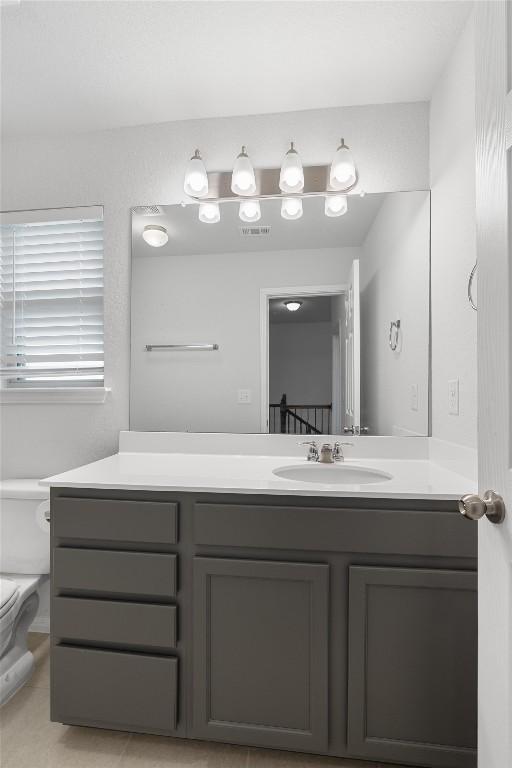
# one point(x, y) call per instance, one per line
point(386, 531)
point(142, 522)
point(109, 573)
point(132, 625)
point(126, 691)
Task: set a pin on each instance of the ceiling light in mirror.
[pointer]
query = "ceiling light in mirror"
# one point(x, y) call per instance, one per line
point(291, 208)
point(343, 172)
point(196, 178)
point(336, 205)
point(243, 181)
point(155, 235)
point(250, 210)
point(209, 213)
point(293, 306)
point(291, 178)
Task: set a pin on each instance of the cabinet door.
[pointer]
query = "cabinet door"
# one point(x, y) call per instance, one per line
point(413, 666)
point(260, 652)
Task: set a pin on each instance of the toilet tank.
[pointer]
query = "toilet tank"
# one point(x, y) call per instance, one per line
point(24, 530)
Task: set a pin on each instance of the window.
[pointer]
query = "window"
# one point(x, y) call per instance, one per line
point(51, 294)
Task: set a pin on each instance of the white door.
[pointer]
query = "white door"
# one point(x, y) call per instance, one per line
point(494, 205)
point(353, 353)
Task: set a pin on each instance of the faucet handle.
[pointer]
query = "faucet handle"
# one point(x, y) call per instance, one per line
point(337, 453)
point(313, 454)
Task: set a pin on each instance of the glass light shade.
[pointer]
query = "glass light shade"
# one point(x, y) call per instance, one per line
point(336, 205)
point(293, 306)
point(243, 181)
point(291, 208)
point(291, 178)
point(209, 213)
point(155, 235)
point(196, 178)
point(343, 172)
point(250, 210)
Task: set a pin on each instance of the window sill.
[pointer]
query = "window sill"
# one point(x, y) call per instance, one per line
point(48, 395)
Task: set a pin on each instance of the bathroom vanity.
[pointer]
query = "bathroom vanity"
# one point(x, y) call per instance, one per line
point(319, 620)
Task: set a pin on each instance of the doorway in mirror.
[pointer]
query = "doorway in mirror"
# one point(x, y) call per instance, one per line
point(306, 399)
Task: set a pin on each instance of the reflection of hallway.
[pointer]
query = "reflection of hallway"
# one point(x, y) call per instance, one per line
point(301, 366)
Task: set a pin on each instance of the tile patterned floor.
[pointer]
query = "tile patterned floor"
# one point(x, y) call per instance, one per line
point(29, 740)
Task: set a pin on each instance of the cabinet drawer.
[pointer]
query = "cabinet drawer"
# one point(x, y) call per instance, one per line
point(335, 529)
point(142, 522)
point(133, 625)
point(125, 691)
point(110, 573)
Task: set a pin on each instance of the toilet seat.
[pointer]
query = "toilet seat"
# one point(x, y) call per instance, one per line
point(9, 594)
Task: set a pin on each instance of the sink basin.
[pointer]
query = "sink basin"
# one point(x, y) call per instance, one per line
point(332, 474)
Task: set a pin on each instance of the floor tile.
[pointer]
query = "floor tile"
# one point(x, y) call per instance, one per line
point(268, 758)
point(29, 740)
point(160, 751)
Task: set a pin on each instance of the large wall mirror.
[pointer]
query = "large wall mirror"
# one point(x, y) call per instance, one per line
point(319, 325)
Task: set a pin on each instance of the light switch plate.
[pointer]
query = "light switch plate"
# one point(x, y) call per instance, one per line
point(453, 397)
point(244, 396)
point(414, 397)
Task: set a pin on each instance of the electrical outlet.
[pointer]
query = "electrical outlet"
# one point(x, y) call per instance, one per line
point(453, 397)
point(244, 396)
point(414, 397)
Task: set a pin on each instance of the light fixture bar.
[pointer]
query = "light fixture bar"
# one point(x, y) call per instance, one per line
point(279, 196)
point(316, 184)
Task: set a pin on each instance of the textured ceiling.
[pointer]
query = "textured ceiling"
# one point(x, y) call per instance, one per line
point(77, 66)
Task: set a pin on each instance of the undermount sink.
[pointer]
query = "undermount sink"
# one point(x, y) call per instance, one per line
point(332, 474)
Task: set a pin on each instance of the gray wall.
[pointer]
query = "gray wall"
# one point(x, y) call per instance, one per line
point(395, 284)
point(300, 362)
point(452, 179)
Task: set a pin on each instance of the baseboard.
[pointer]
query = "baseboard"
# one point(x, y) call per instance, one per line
point(41, 624)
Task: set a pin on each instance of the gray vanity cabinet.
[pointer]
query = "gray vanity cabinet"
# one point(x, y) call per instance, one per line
point(412, 665)
point(261, 652)
point(343, 627)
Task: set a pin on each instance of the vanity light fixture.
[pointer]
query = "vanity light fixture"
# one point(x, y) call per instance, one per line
point(196, 178)
point(293, 306)
point(336, 205)
point(155, 235)
point(250, 210)
point(343, 174)
point(291, 208)
point(291, 178)
point(209, 213)
point(243, 180)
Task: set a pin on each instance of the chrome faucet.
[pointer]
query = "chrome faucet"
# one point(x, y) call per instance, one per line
point(328, 454)
point(313, 454)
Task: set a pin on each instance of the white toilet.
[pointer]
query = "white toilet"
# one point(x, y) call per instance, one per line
point(24, 565)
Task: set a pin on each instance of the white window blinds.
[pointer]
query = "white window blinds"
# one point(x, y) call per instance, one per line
point(51, 292)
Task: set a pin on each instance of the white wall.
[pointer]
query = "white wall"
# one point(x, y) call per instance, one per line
point(394, 272)
point(452, 173)
point(133, 166)
point(213, 299)
point(300, 362)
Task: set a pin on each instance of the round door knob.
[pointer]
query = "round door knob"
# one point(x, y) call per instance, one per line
point(349, 430)
point(491, 504)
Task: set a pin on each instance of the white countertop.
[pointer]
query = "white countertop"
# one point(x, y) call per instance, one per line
point(229, 473)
